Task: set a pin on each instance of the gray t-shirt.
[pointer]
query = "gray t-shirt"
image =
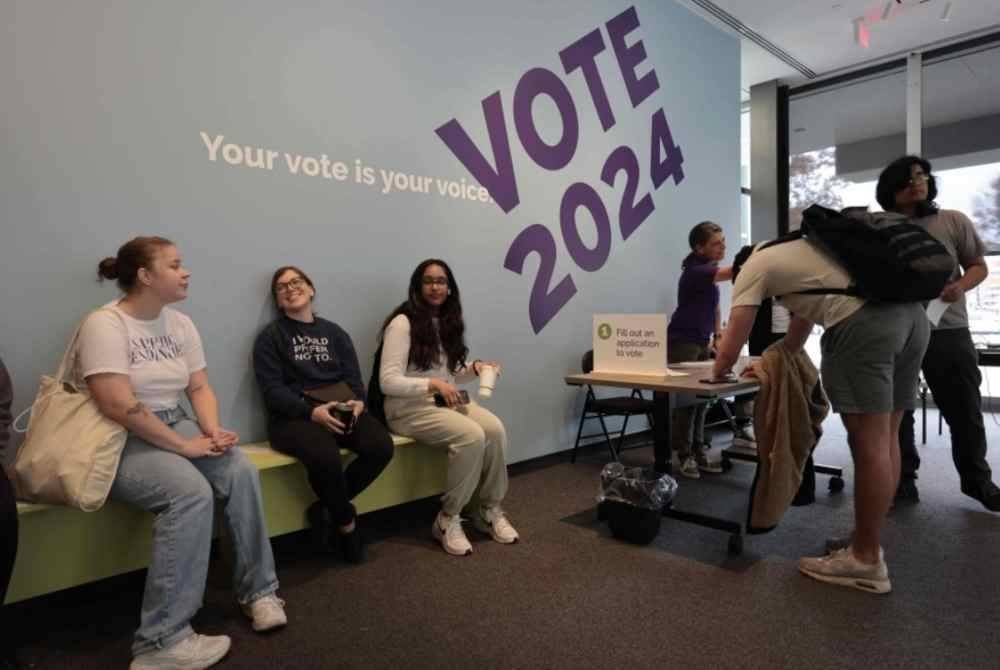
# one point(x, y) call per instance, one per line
point(955, 231)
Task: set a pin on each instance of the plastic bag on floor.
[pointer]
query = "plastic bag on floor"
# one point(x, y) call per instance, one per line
point(642, 487)
point(632, 500)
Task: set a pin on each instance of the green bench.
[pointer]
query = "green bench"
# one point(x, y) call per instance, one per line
point(61, 547)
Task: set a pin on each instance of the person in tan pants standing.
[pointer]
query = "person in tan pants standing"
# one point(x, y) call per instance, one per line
point(423, 357)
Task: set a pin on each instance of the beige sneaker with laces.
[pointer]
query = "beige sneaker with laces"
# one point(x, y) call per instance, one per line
point(841, 567)
point(689, 468)
point(195, 652)
point(448, 531)
point(267, 612)
point(493, 520)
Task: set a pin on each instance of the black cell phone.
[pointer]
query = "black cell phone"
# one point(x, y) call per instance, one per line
point(721, 380)
point(439, 399)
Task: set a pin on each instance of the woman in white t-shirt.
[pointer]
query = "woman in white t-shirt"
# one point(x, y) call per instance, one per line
point(423, 356)
point(138, 356)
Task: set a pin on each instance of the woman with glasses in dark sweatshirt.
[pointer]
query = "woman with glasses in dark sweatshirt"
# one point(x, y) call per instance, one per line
point(300, 355)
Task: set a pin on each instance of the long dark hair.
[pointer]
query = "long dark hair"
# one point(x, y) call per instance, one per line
point(137, 253)
point(896, 176)
point(427, 343)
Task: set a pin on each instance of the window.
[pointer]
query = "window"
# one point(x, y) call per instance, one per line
point(961, 138)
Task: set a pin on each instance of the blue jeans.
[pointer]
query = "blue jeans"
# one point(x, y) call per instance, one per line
point(181, 492)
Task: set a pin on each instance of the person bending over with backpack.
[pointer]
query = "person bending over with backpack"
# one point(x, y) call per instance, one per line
point(951, 365)
point(423, 357)
point(871, 360)
point(693, 332)
point(300, 354)
point(138, 356)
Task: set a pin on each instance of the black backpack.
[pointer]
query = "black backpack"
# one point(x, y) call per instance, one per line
point(889, 258)
point(376, 400)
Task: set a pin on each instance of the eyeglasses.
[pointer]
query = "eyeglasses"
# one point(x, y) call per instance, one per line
point(435, 281)
point(290, 285)
point(918, 178)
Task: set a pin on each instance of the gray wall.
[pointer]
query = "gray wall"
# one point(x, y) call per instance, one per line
point(103, 110)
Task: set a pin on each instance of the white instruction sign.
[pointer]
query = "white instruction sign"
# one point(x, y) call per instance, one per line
point(633, 343)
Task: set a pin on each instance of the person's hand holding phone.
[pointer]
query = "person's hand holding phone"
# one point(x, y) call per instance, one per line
point(323, 415)
point(357, 406)
point(449, 393)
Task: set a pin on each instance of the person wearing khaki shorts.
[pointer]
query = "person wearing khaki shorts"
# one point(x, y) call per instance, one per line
point(423, 358)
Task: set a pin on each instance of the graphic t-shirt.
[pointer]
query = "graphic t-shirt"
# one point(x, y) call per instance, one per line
point(158, 356)
point(291, 356)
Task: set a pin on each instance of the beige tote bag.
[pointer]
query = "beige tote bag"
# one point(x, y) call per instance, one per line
point(71, 451)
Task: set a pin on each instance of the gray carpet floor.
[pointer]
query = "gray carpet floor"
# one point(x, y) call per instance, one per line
point(571, 596)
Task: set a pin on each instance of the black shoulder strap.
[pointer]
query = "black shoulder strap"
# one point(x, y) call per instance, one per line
point(788, 237)
point(376, 399)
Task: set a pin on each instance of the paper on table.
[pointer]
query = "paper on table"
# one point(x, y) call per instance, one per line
point(936, 309)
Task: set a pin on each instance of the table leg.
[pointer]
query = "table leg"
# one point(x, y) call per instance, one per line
point(663, 412)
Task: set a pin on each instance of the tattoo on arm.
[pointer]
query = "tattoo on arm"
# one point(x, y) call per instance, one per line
point(137, 408)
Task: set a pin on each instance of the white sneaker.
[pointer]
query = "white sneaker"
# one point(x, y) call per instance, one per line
point(192, 653)
point(841, 567)
point(492, 520)
point(705, 465)
point(448, 531)
point(267, 612)
point(744, 439)
point(689, 468)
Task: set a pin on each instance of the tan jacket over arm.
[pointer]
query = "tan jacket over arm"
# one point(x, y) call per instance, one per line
point(788, 422)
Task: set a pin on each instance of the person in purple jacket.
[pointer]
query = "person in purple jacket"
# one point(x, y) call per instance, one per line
point(691, 336)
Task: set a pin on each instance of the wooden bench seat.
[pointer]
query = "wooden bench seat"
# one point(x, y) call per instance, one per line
point(60, 547)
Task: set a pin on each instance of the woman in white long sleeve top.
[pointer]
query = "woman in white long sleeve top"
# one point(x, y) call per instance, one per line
point(423, 356)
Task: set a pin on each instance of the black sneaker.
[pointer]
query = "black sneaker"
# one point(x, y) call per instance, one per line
point(319, 528)
point(907, 491)
point(352, 545)
point(988, 494)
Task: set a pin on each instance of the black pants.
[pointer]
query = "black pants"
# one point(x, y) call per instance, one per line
point(319, 451)
point(951, 370)
point(8, 550)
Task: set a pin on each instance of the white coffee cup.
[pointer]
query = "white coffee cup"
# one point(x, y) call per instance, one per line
point(487, 380)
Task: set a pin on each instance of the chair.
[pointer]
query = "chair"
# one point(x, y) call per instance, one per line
point(598, 408)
